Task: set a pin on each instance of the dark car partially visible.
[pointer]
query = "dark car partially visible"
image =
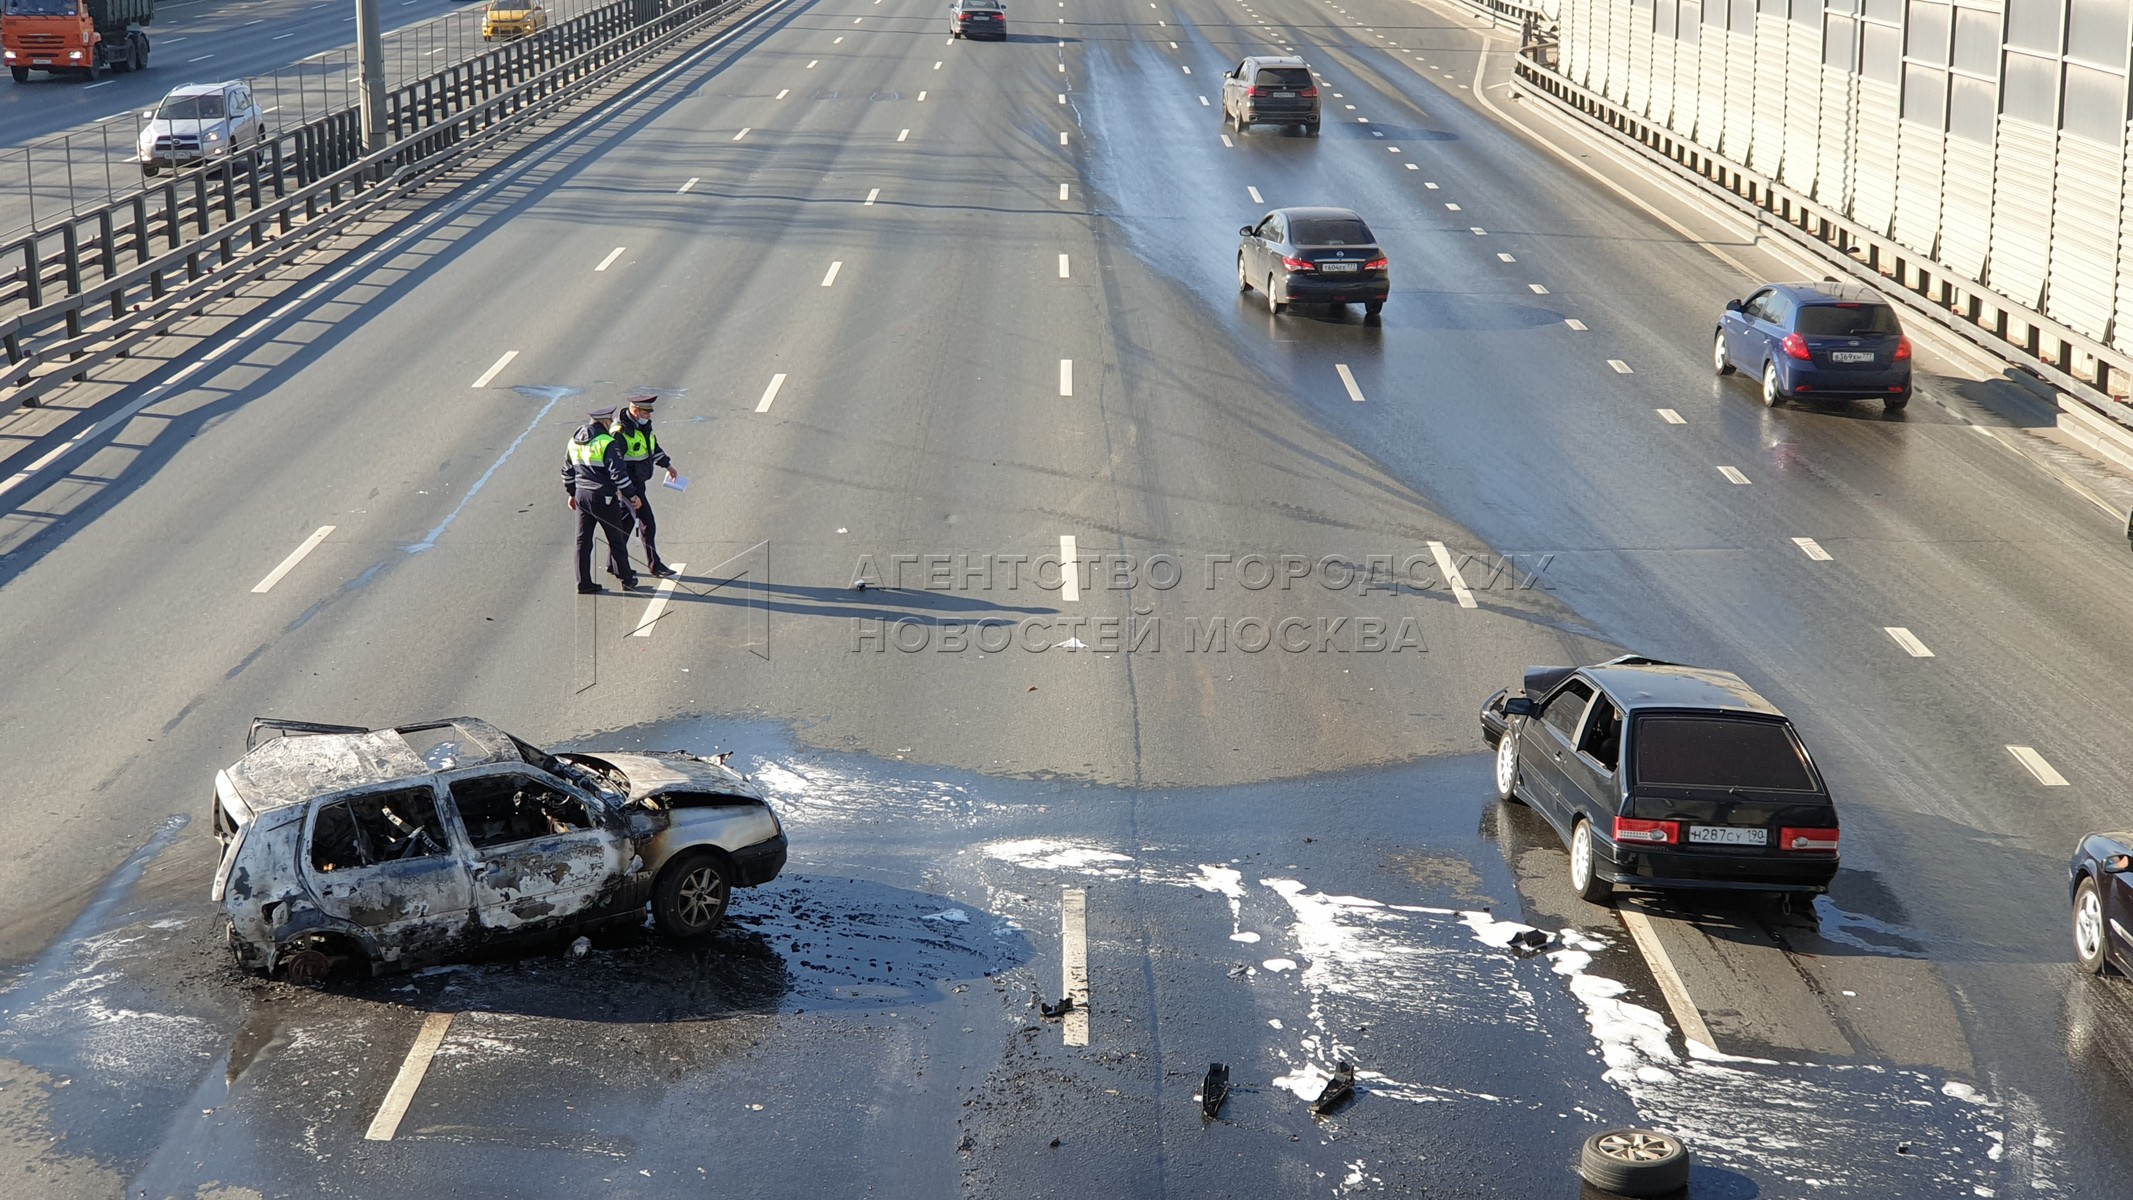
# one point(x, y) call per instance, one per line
point(1664, 777)
point(2101, 888)
point(977, 18)
point(1823, 340)
point(1314, 256)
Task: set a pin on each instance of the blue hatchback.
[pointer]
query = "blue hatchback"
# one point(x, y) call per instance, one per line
point(1811, 341)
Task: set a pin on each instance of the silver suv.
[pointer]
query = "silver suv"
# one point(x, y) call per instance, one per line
point(201, 124)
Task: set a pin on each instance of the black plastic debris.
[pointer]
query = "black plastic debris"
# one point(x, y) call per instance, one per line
point(1214, 1090)
point(1338, 1090)
point(1238, 971)
point(1530, 942)
point(1052, 1012)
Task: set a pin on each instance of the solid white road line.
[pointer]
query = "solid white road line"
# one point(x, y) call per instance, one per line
point(832, 276)
point(658, 607)
point(770, 393)
point(1063, 266)
point(1348, 381)
point(1671, 417)
point(609, 261)
point(1662, 967)
point(1074, 963)
point(1069, 568)
point(1733, 475)
point(693, 180)
point(387, 1122)
point(289, 564)
point(1452, 578)
point(1256, 197)
point(1908, 640)
point(495, 367)
point(1537, 289)
point(1066, 376)
point(1621, 368)
point(872, 195)
point(1574, 323)
point(1812, 549)
point(903, 135)
point(2028, 757)
point(738, 136)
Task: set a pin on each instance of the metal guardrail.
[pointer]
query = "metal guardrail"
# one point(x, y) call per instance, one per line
point(2072, 361)
point(170, 252)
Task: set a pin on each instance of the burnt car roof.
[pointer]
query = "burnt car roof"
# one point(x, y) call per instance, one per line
point(299, 767)
point(1635, 682)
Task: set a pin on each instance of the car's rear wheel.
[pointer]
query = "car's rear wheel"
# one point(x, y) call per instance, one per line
point(1311, 130)
point(2088, 927)
point(1584, 872)
point(1372, 308)
point(1507, 766)
point(1721, 361)
point(1274, 305)
point(1773, 393)
point(1244, 281)
point(1895, 403)
point(690, 898)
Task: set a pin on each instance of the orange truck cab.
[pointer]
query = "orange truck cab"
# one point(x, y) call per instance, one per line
point(85, 36)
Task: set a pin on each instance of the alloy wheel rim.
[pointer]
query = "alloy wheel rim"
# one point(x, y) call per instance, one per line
point(1770, 385)
point(699, 895)
point(1506, 763)
point(1636, 1147)
point(1718, 352)
point(2088, 926)
point(1581, 855)
point(1270, 302)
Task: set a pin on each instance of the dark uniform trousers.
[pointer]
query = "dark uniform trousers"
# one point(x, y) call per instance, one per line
point(605, 510)
point(647, 524)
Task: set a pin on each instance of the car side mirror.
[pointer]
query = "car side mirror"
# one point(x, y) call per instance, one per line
point(1518, 706)
point(1247, 231)
point(2118, 864)
point(1733, 306)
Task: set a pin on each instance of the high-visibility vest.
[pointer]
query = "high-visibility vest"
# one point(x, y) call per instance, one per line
point(638, 442)
point(592, 453)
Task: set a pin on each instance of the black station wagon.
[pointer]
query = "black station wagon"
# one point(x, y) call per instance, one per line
point(1662, 776)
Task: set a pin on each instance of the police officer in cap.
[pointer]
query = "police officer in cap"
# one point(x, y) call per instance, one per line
point(594, 475)
point(641, 453)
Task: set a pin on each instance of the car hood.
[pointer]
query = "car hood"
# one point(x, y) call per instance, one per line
point(674, 771)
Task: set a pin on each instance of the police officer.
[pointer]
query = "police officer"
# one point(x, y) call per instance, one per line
point(641, 453)
point(593, 477)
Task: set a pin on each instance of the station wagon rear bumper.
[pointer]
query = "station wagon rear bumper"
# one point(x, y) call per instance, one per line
point(1639, 869)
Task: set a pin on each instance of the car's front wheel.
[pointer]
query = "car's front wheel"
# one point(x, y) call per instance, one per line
point(1721, 361)
point(2088, 927)
point(1507, 766)
point(21, 74)
point(1773, 392)
point(690, 898)
point(1584, 870)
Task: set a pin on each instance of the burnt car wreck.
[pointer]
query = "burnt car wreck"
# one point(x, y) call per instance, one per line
point(384, 849)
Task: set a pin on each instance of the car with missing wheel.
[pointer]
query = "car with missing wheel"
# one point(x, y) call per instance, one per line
point(1664, 777)
point(1271, 90)
point(1816, 341)
point(349, 849)
point(2102, 891)
point(1314, 256)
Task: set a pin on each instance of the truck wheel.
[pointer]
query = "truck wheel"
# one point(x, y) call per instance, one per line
point(21, 74)
point(690, 898)
point(96, 66)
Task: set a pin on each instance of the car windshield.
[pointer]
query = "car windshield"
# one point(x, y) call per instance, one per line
point(510, 6)
point(1848, 320)
point(1283, 77)
point(1720, 752)
point(41, 8)
point(1328, 231)
point(192, 108)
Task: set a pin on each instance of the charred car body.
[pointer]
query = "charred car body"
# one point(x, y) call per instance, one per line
point(394, 848)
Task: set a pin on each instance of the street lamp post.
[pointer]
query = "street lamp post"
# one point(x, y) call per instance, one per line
point(370, 67)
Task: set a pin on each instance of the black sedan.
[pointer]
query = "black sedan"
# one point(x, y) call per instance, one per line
point(1313, 256)
point(977, 18)
point(2102, 885)
point(1660, 776)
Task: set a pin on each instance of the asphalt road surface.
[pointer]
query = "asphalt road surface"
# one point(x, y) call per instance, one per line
point(963, 311)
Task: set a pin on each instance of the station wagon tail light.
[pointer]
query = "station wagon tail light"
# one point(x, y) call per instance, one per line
point(1309, 93)
point(1296, 264)
point(1903, 348)
point(1796, 346)
point(1253, 91)
point(1377, 264)
point(1654, 833)
point(1790, 838)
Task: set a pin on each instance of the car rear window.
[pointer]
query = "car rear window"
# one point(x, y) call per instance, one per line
point(1283, 77)
point(1848, 320)
point(1717, 752)
point(1328, 231)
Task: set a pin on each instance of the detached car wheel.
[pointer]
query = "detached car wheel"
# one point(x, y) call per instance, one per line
point(1721, 362)
point(1507, 767)
point(1584, 873)
point(2088, 928)
point(1634, 1162)
point(690, 898)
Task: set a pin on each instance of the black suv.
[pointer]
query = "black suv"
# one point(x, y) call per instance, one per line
point(1664, 776)
point(1271, 90)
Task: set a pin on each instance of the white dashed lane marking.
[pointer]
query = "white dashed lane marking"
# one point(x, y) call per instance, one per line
point(1348, 381)
point(1452, 578)
point(1671, 417)
point(770, 393)
point(1621, 368)
point(289, 564)
point(1908, 640)
point(427, 1039)
point(1066, 376)
point(1254, 193)
point(831, 277)
point(658, 606)
point(1063, 266)
point(1074, 963)
point(1733, 475)
point(495, 368)
point(1812, 549)
point(2035, 764)
point(873, 194)
point(1574, 323)
point(1069, 568)
point(609, 261)
point(693, 179)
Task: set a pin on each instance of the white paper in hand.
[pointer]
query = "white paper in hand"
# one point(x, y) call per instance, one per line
point(679, 484)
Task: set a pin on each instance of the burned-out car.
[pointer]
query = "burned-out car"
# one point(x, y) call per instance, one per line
point(391, 848)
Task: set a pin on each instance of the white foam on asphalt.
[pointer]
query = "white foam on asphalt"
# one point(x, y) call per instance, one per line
point(1046, 854)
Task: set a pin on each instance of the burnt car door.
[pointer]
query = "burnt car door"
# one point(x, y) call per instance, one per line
point(1549, 737)
point(543, 852)
point(381, 861)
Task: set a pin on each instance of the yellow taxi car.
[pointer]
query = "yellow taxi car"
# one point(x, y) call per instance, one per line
point(504, 20)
